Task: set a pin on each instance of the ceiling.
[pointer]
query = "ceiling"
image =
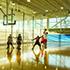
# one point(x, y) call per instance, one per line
point(49, 8)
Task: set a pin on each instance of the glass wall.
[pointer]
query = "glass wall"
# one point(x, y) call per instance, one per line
point(62, 22)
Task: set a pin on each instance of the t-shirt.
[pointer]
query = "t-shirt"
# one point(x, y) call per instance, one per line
point(43, 40)
point(37, 39)
point(19, 38)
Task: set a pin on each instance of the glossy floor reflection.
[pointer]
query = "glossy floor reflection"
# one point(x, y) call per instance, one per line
point(26, 59)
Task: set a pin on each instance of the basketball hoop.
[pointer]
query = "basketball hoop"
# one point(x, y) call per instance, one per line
point(13, 22)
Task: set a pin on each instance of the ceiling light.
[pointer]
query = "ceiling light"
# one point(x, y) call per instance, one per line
point(34, 12)
point(28, 0)
point(46, 10)
point(13, 3)
point(61, 7)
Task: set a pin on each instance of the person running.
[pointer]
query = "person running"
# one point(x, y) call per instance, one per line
point(10, 41)
point(19, 40)
point(36, 42)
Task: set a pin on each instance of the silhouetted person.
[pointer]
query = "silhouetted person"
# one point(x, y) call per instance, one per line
point(9, 41)
point(37, 42)
point(19, 41)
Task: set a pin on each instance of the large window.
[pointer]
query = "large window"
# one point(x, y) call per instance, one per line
point(62, 22)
